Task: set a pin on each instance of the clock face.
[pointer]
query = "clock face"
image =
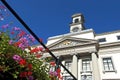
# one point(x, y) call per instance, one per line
point(75, 29)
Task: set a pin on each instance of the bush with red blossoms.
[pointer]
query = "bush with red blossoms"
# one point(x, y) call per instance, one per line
point(55, 71)
point(19, 61)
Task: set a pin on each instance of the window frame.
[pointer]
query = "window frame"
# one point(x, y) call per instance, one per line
point(70, 65)
point(114, 70)
point(90, 65)
point(102, 40)
point(118, 37)
point(76, 20)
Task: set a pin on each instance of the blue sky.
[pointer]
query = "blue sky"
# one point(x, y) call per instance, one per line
point(52, 17)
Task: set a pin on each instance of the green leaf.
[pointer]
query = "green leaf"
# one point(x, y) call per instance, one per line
point(15, 76)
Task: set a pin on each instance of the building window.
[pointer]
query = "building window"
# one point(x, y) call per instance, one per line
point(108, 64)
point(86, 65)
point(118, 37)
point(102, 40)
point(86, 77)
point(76, 20)
point(68, 65)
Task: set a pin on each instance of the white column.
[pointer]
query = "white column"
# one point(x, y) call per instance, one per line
point(96, 73)
point(75, 66)
point(79, 68)
point(62, 69)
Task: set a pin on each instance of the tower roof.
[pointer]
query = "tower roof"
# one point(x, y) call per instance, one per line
point(77, 14)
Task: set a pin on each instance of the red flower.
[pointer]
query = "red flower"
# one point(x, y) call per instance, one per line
point(58, 71)
point(22, 62)
point(22, 33)
point(29, 73)
point(40, 48)
point(32, 51)
point(23, 74)
point(35, 50)
point(30, 66)
point(52, 63)
point(12, 32)
point(17, 43)
point(38, 55)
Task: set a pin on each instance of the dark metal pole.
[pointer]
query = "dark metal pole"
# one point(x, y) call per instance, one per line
point(34, 35)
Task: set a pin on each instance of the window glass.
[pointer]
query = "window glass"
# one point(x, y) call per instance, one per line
point(102, 40)
point(68, 65)
point(86, 65)
point(108, 65)
point(76, 20)
point(118, 37)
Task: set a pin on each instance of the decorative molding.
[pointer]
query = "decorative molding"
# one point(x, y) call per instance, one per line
point(110, 71)
point(70, 42)
point(72, 24)
point(110, 44)
point(67, 43)
point(77, 14)
point(117, 31)
point(71, 34)
point(86, 72)
point(72, 50)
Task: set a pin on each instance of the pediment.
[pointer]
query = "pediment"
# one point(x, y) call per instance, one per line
point(70, 42)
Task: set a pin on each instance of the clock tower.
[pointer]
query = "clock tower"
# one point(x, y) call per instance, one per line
point(77, 24)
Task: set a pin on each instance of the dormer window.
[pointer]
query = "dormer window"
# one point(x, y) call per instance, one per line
point(102, 40)
point(76, 20)
point(118, 37)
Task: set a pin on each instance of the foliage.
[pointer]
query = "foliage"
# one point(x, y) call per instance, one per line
point(19, 61)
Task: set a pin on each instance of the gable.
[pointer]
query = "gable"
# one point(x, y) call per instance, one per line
point(69, 42)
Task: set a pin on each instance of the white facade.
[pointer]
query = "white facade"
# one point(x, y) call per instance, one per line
point(87, 55)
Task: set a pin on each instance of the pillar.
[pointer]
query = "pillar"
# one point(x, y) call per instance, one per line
point(79, 68)
point(75, 66)
point(62, 69)
point(96, 73)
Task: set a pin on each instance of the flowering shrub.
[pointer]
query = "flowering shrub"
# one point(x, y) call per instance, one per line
point(55, 71)
point(19, 61)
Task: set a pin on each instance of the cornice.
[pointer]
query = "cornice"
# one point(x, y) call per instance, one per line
point(71, 51)
point(70, 34)
point(78, 45)
point(72, 24)
point(110, 44)
point(77, 14)
point(105, 33)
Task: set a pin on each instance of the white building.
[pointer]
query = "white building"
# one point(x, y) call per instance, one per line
point(87, 55)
